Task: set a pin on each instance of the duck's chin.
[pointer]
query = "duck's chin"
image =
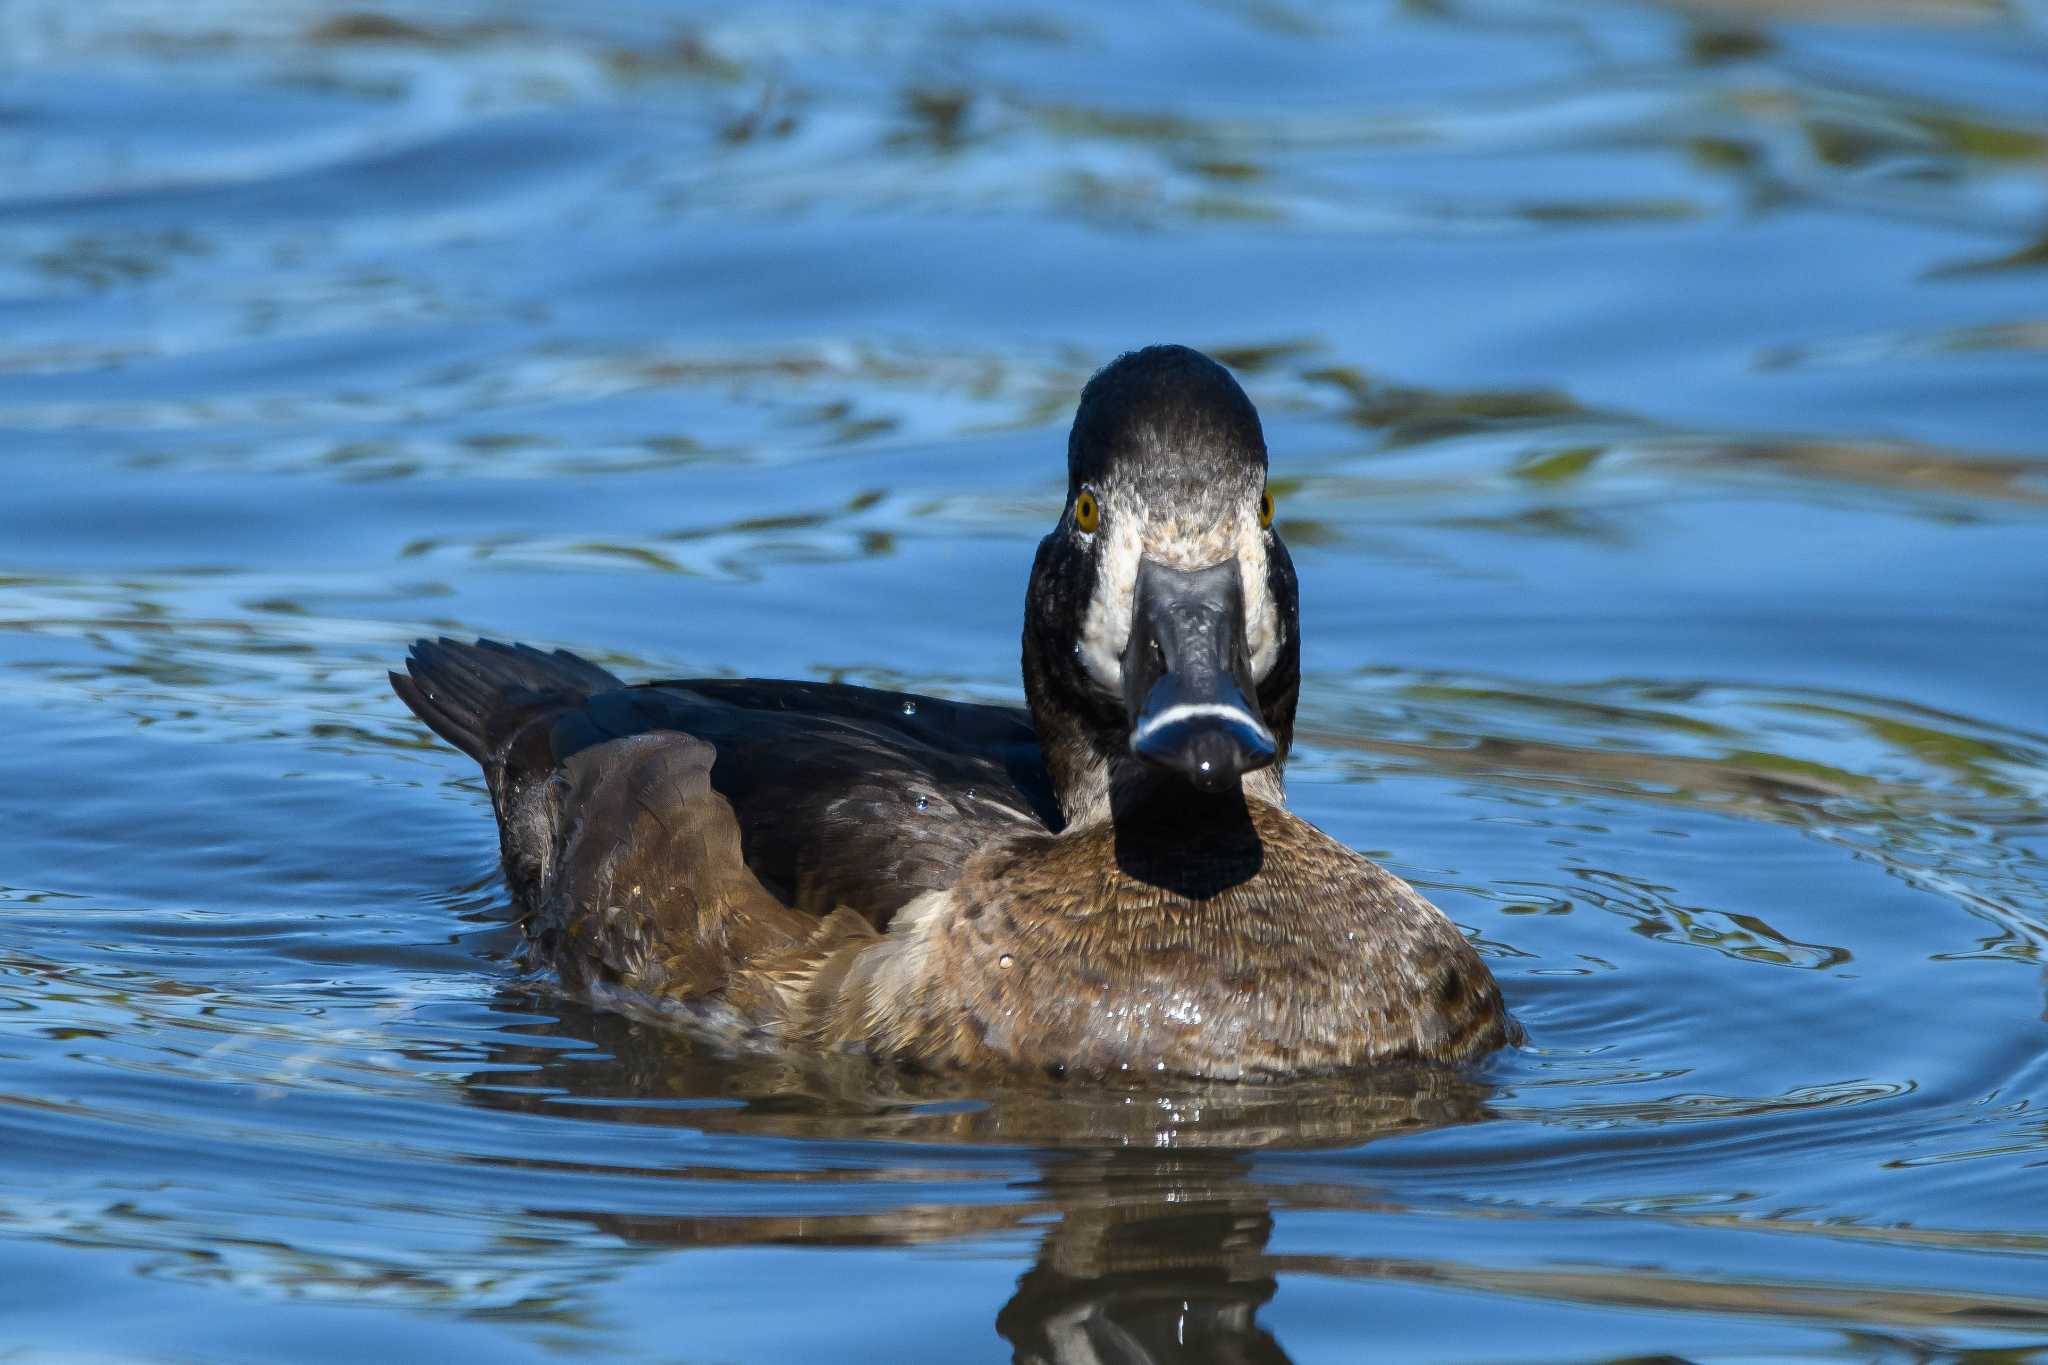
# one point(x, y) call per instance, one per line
point(1135, 784)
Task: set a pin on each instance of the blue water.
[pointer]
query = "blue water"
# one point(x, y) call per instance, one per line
point(1657, 400)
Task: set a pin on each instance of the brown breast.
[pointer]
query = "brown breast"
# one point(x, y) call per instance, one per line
point(1256, 947)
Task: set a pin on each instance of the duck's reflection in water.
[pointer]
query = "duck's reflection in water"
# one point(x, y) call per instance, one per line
point(1152, 1259)
point(1156, 1227)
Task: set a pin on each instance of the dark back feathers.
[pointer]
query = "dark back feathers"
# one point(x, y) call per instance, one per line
point(844, 796)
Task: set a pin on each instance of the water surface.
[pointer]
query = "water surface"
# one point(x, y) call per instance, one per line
point(1657, 404)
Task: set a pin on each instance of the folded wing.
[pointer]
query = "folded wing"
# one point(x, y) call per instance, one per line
point(840, 796)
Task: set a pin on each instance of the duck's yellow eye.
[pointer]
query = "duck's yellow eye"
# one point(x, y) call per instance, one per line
point(1266, 508)
point(1087, 513)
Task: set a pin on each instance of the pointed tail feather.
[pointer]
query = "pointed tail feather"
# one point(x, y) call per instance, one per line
point(474, 696)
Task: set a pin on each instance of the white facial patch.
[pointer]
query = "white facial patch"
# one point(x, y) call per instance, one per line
point(1261, 613)
point(1106, 629)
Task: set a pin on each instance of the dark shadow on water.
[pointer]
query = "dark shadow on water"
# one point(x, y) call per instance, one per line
point(1155, 1226)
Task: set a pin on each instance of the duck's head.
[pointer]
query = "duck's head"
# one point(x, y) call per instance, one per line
point(1160, 632)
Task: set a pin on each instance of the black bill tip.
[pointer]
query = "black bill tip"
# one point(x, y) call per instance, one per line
point(1211, 744)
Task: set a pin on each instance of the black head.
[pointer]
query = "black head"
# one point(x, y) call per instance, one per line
point(1172, 420)
point(1160, 632)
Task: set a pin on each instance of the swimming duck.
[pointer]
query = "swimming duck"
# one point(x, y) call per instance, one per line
point(1108, 882)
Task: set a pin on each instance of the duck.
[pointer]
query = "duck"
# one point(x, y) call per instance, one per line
point(1105, 881)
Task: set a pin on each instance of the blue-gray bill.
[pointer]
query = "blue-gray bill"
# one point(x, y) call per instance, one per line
point(1187, 676)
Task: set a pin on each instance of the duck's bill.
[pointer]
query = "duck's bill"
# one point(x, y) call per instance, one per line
point(1187, 676)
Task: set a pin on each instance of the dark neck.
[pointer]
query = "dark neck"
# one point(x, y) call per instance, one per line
point(1191, 844)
